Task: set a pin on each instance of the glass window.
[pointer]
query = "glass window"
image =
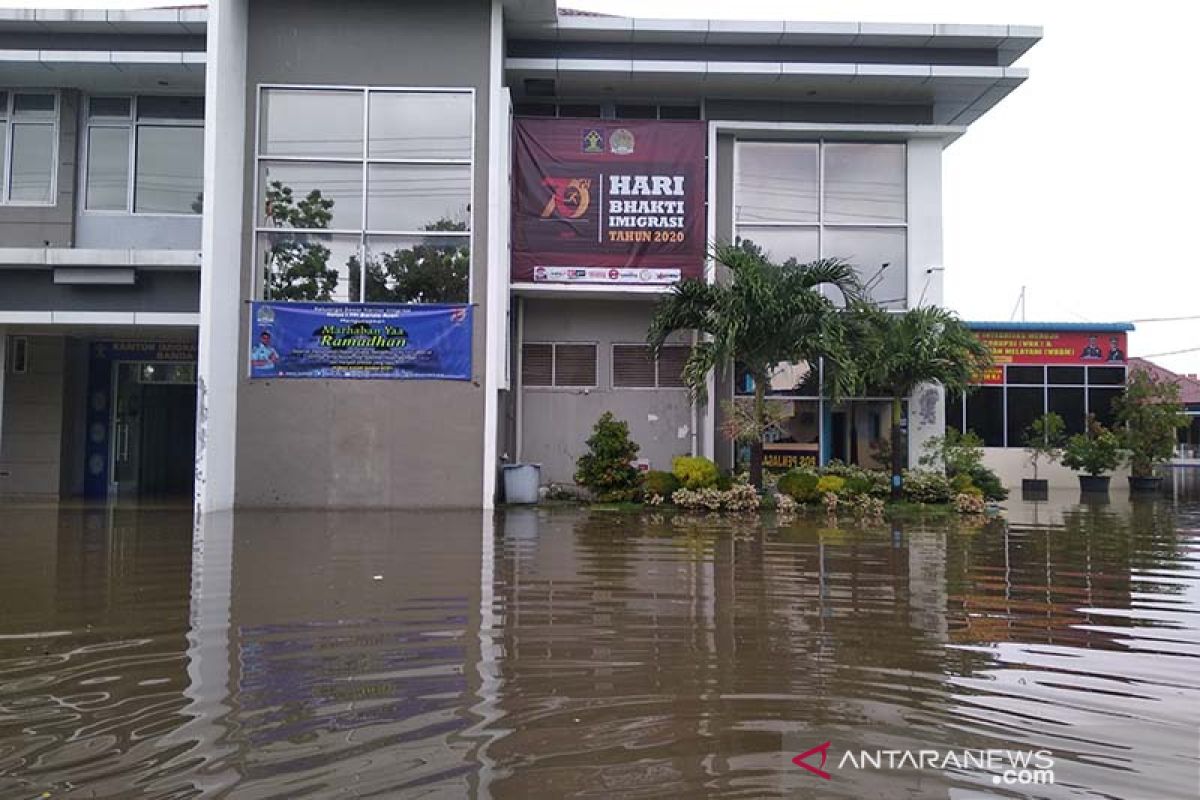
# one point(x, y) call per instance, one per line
point(157, 107)
point(671, 361)
point(985, 414)
point(1067, 375)
point(3, 163)
point(635, 111)
point(679, 112)
point(109, 107)
point(575, 365)
point(1026, 375)
point(32, 163)
point(633, 366)
point(286, 197)
point(107, 169)
point(776, 182)
point(33, 106)
point(864, 183)
point(399, 189)
point(954, 411)
point(879, 255)
point(780, 244)
point(169, 170)
point(579, 110)
point(311, 122)
point(418, 197)
point(1025, 404)
point(415, 269)
point(1068, 404)
point(420, 125)
point(308, 266)
point(1106, 376)
point(1100, 404)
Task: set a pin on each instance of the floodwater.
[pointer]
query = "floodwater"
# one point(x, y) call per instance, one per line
point(577, 653)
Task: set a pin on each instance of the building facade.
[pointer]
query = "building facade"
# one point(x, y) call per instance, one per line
point(168, 171)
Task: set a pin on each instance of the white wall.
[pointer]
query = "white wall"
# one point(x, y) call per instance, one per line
point(1012, 465)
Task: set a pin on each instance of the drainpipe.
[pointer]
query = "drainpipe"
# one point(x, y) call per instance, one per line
point(519, 398)
point(696, 408)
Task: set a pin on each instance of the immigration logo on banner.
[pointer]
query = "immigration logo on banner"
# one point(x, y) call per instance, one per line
point(1051, 347)
point(337, 340)
point(618, 202)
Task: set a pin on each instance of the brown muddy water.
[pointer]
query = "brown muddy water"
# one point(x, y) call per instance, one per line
point(577, 653)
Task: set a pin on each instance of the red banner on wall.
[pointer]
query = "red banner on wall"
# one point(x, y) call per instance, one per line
point(1052, 347)
point(614, 202)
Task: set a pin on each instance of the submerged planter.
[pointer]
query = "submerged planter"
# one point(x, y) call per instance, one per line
point(1094, 484)
point(1145, 483)
point(1035, 488)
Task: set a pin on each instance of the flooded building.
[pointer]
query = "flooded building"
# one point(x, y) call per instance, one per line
point(433, 234)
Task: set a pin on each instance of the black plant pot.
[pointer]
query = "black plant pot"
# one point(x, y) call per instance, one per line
point(1094, 484)
point(1035, 488)
point(1145, 483)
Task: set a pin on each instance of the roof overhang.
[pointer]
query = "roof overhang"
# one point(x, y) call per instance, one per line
point(104, 70)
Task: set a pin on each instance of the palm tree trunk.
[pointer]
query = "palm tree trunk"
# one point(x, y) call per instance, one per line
point(760, 418)
point(897, 461)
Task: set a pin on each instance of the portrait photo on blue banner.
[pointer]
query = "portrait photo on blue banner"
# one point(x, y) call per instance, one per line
point(360, 341)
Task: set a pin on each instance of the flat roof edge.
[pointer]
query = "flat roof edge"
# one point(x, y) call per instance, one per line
point(1049, 326)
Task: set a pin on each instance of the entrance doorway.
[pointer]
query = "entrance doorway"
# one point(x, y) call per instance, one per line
point(154, 424)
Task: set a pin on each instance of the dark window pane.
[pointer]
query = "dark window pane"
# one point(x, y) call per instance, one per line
point(1068, 404)
point(537, 364)
point(1072, 375)
point(631, 111)
point(3, 104)
point(154, 107)
point(671, 359)
point(108, 168)
point(575, 365)
point(39, 105)
point(1025, 404)
point(679, 112)
point(1100, 404)
point(985, 414)
point(111, 107)
point(579, 110)
point(1026, 375)
point(533, 109)
point(1106, 376)
point(633, 366)
point(954, 411)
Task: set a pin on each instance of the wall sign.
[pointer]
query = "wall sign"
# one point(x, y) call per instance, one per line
point(1052, 347)
point(340, 340)
point(609, 202)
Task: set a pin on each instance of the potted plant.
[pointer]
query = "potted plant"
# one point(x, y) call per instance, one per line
point(1095, 452)
point(1149, 413)
point(1044, 441)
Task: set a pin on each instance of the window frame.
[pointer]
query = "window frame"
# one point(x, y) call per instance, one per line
point(132, 125)
point(657, 387)
point(554, 385)
point(365, 160)
point(8, 122)
point(1045, 386)
point(821, 225)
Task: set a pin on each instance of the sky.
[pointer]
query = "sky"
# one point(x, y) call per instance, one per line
point(1080, 187)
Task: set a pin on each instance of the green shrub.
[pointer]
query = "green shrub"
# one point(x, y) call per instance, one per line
point(606, 469)
point(961, 483)
point(695, 472)
point(833, 484)
point(658, 482)
point(838, 468)
point(1096, 452)
point(922, 486)
point(988, 482)
point(800, 485)
point(857, 485)
point(725, 481)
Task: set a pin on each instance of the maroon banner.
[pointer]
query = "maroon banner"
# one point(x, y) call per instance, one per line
point(615, 202)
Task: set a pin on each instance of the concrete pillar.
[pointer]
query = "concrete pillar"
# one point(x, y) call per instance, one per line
point(3, 373)
point(221, 275)
point(495, 309)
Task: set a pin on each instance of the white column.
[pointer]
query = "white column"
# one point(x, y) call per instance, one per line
point(926, 407)
point(924, 222)
point(3, 372)
point(221, 275)
point(496, 302)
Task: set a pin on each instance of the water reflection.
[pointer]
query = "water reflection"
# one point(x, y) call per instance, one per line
point(592, 653)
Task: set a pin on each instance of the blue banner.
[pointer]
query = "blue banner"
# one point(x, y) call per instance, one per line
point(339, 340)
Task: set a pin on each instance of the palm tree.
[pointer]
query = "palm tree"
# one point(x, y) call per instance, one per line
point(764, 315)
point(898, 351)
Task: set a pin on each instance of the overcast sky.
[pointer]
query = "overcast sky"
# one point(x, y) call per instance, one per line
point(1080, 186)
